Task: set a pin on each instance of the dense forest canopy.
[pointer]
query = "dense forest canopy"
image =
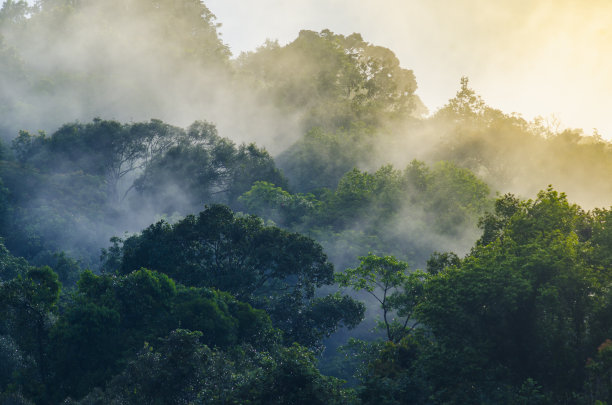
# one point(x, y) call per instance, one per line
point(179, 225)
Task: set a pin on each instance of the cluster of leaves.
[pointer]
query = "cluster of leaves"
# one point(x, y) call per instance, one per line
point(389, 210)
point(109, 318)
point(181, 370)
point(517, 319)
point(200, 344)
point(320, 158)
point(197, 161)
point(386, 279)
point(61, 190)
point(350, 81)
point(266, 266)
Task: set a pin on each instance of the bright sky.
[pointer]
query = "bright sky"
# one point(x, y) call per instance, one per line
point(534, 57)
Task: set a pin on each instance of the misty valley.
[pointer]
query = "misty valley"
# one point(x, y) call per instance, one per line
point(291, 225)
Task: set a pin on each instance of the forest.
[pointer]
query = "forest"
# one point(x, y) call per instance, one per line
point(291, 225)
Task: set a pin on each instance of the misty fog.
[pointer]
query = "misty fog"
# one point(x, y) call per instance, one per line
point(133, 61)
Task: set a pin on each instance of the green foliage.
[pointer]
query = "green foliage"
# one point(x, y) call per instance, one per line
point(317, 320)
point(385, 211)
point(359, 192)
point(268, 201)
point(320, 158)
point(523, 297)
point(384, 273)
point(101, 148)
point(466, 105)
point(109, 318)
point(181, 370)
point(392, 377)
point(294, 379)
point(450, 195)
point(51, 212)
point(600, 234)
point(233, 253)
point(68, 270)
point(336, 79)
point(253, 164)
point(599, 373)
point(268, 267)
point(398, 293)
point(13, 362)
point(440, 261)
point(169, 375)
point(11, 266)
point(71, 190)
point(203, 167)
point(28, 305)
point(513, 322)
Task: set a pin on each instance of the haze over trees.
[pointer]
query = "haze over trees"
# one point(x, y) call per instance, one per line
point(180, 225)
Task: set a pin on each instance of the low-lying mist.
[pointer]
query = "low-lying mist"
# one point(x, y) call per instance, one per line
point(322, 105)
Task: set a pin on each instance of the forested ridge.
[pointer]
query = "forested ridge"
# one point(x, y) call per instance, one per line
point(180, 225)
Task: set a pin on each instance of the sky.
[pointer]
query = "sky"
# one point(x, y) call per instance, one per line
point(551, 58)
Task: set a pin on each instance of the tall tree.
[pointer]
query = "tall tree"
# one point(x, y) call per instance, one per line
point(270, 268)
point(398, 293)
